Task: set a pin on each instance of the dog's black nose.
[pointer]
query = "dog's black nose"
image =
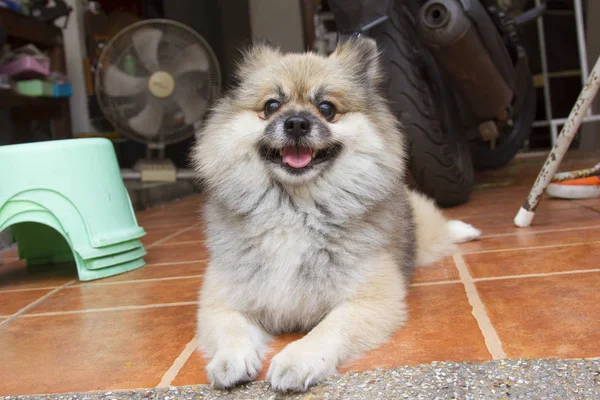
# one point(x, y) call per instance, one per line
point(296, 126)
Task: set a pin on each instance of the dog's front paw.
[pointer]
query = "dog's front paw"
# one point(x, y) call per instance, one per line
point(296, 368)
point(231, 367)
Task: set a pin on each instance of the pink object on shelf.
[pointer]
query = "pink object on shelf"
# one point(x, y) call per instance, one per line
point(25, 67)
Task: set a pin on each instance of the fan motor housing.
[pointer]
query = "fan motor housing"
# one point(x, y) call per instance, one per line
point(161, 84)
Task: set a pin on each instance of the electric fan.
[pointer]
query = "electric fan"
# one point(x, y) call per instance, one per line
point(154, 82)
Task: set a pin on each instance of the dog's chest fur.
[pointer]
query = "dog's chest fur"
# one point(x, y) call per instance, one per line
point(290, 260)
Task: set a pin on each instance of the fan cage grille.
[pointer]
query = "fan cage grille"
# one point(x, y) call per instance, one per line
point(120, 52)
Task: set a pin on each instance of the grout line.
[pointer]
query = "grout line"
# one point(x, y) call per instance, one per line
point(35, 303)
point(165, 264)
point(519, 233)
point(186, 242)
point(171, 236)
point(179, 362)
point(28, 289)
point(547, 246)
point(543, 274)
point(490, 336)
point(107, 309)
point(435, 283)
point(197, 276)
point(166, 278)
point(164, 227)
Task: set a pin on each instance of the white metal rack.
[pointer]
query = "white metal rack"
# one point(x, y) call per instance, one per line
point(554, 123)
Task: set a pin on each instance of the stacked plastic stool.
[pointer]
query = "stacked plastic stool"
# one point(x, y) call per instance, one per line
point(65, 201)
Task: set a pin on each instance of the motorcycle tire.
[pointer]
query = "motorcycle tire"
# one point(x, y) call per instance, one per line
point(439, 154)
point(510, 141)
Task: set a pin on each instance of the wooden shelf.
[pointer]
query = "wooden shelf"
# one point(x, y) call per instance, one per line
point(12, 99)
point(19, 30)
point(28, 29)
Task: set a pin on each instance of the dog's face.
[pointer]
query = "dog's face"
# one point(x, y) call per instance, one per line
point(295, 118)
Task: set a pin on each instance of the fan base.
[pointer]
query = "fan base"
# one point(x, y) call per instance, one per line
point(156, 170)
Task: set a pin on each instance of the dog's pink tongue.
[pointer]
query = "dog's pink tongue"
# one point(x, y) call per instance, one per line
point(297, 157)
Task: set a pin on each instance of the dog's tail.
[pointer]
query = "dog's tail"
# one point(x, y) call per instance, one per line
point(436, 236)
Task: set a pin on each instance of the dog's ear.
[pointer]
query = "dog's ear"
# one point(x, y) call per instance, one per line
point(260, 53)
point(360, 54)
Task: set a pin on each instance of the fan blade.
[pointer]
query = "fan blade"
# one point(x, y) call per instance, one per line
point(146, 43)
point(192, 105)
point(149, 121)
point(193, 58)
point(118, 83)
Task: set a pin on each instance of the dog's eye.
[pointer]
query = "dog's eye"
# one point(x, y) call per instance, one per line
point(271, 107)
point(327, 110)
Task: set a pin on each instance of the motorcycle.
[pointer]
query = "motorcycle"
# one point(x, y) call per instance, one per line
point(457, 77)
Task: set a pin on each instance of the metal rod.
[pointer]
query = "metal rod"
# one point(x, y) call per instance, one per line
point(530, 15)
point(562, 121)
point(581, 173)
point(576, 116)
point(186, 174)
point(581, 43)
point(129, 174)
point(132, 175)
point(544, 60)
point(374, 23)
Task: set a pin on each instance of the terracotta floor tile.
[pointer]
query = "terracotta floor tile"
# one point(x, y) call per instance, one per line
point(440, 327)
point(154, 235)
point(503, 202)
point(9, 254)
point(545, 220)
point(16, 276)
point(440, 320)
point(554, 316)
point(175, 214)
point(155, 272)
point(443, 270)
point(92, 351)
point(89, 297)
point(534, 317)
point(534, 261)
point(174, 253)
point(524, 239)
point(191, 235)
point(169, 220)
point(593, 203)
point(11, 302)
point(193, 371)
point(166, 223)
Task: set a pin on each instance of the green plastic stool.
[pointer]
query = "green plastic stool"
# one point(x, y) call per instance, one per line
point(65, 201)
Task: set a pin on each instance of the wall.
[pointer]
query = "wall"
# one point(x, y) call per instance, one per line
point(74, 37)
point(280, 21)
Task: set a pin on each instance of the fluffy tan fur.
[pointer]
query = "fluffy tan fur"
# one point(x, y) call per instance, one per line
point(328, 250)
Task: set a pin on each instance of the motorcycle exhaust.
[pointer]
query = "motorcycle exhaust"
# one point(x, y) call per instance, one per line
point(455, 43)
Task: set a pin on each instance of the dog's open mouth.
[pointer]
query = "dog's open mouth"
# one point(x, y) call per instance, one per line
point(298, 158)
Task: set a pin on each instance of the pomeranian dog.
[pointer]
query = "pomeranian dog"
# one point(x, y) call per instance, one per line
point(309, 223)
